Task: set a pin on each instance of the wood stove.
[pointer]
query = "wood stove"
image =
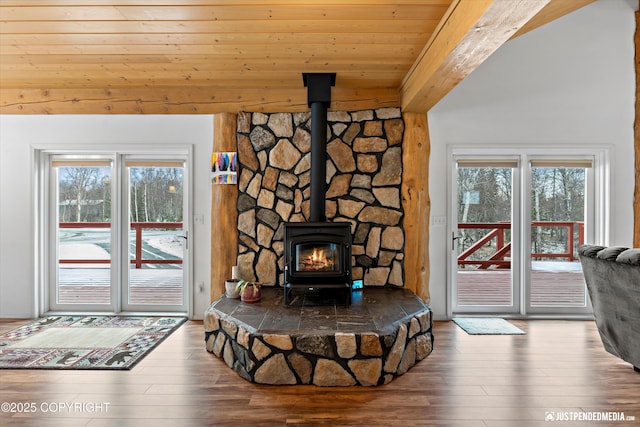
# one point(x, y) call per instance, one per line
point(317, 256)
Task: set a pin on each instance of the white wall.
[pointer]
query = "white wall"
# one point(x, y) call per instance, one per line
point(568, 83)
point(18, 135)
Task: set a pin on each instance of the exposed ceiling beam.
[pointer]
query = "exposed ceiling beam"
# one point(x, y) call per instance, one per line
point(471, 31)
point(552, 11)
point(183, 100)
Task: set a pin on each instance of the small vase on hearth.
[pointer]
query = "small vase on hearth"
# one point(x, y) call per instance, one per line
point(231, 288)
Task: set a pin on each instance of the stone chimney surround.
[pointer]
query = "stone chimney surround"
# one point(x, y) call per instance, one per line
point(364, 173)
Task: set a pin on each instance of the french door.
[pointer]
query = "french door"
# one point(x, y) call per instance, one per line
point(117, 237)
point(562, 206)
point(517, 223)
point(486, 239)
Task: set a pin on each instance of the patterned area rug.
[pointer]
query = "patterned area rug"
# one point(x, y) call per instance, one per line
point(486, 326)
point(84, 342)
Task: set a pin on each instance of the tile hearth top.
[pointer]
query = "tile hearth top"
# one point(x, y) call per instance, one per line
point(372, 309)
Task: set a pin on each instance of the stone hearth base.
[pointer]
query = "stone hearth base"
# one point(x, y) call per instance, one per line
point(318, 341)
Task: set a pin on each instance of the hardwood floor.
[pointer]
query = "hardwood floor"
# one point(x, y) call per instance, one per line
point(488, 381)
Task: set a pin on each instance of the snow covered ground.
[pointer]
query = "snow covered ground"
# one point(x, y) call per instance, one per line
point(82, 251)
point(556, 266)
point(168, 244)
point(158, 244)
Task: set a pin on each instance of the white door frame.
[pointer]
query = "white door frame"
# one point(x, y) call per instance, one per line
point(42, 186)
point(597, 212)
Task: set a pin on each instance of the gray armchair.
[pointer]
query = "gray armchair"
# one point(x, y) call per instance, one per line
point(613, 280)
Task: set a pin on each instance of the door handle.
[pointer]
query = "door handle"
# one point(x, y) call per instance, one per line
point(185, 236)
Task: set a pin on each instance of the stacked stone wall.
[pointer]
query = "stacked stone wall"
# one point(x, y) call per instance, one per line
point(364, 173)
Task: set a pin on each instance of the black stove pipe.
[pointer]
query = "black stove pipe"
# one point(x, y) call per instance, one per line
point(318, 99)
point(318, 161)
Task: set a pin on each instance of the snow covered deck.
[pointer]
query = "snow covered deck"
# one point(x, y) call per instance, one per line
point(553, 284)
point(147, 286)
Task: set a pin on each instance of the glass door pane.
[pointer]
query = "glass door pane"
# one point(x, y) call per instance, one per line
point(484, 278)
point(156, 235)
point(83, 233)
point(557, 229)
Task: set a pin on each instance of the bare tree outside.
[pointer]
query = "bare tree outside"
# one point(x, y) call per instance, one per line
point(84, 194)
point(156, 194)
point(557, 194)
point(484, 196)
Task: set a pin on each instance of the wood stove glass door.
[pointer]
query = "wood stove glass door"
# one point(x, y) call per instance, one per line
point(317, 258)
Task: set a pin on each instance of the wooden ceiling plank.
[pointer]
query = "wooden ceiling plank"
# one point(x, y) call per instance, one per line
point(322, 52)
point(174, 63)
point(149, 83)
point(123, 60)
point(248, 85)
point(65, 77)
point(196, 27)
point(235, 12)
point(473, 31)
point(14, 70)
point(61, 13)
point(202, 62)
point(415, 40)
point(34, 3)
point(35, 76)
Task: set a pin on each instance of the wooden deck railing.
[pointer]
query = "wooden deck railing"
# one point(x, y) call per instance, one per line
point(497, 231)
point(138, 227)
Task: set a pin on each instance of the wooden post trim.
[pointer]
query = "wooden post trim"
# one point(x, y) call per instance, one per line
point(416, 149)
point(636, 143)
point(224, 214)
